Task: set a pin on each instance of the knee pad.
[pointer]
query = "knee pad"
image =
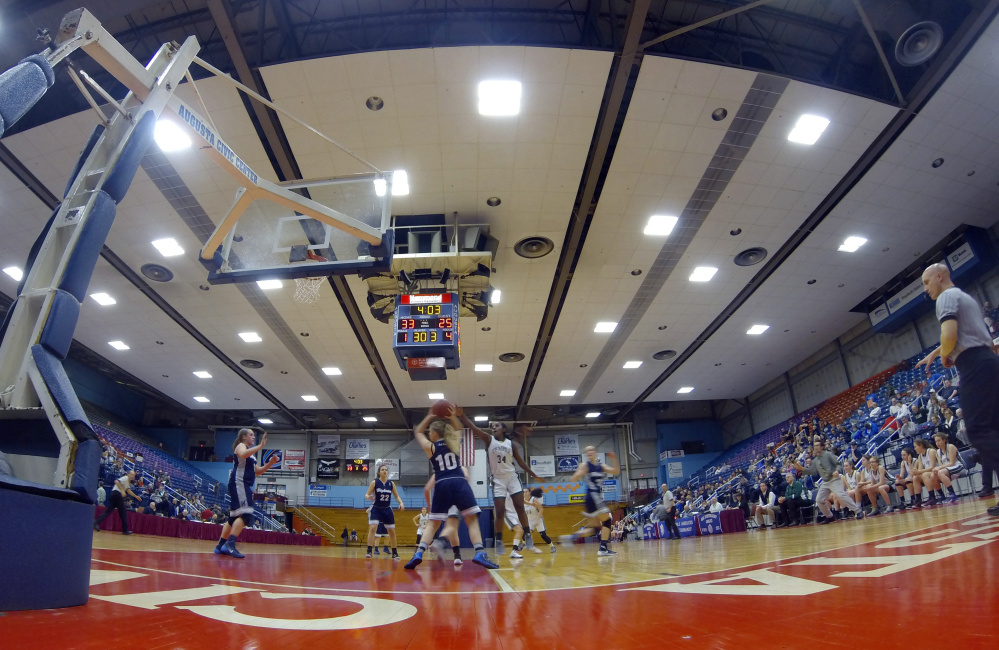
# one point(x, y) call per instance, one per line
point(606, 523)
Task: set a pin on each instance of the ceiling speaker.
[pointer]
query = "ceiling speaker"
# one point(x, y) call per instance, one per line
point(919, 43)
point(156, 273)
point(751, 256)
point(664, 354)
point(251, 363)
point(511, 357)
point(533, 247)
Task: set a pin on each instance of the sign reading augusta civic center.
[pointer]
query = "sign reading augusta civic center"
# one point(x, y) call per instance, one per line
point(567, 444)
point(358, 448)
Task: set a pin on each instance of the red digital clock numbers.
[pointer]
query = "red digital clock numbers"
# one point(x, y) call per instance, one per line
point(407, 324)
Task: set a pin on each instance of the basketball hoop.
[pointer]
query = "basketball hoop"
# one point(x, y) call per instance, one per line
point(307, 289)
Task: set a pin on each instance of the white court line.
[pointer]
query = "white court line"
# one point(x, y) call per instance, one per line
point(504, 585)
point(473, 593)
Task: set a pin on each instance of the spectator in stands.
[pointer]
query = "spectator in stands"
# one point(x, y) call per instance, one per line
point(948, 392)
point(875, 410)
point(739, 502)
point(122, 488)
point(959, 429)
point(907, 428)
point(766, 505)
point(918, 415)
point(950, 464)
point(792, 501)
point(897, 408)
point(854, 455)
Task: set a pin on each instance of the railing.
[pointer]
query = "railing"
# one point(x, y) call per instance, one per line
point(313, 521)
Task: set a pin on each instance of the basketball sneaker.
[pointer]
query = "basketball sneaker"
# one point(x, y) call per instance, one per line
point(438, 548)
point(568, 539)
point(415, 562)
point(554, 549)
point(457, 561)
point(483, 560)
point(604, 552)
point(535, 549)
point(993, 511)
point(515, 555)
point(230, 550)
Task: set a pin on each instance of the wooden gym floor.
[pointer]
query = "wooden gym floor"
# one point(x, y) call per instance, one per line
point(923, 579)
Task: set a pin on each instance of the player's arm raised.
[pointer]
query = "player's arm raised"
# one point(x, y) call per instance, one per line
point(420, 434)
point(611, 469)
point(476, 431)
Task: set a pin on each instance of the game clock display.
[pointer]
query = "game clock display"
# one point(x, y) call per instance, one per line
point(358, 465)
point(426, 325)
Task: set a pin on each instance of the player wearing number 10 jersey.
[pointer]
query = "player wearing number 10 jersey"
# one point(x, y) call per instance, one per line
point(452, 489)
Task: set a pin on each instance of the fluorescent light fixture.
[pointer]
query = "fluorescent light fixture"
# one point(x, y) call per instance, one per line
point(265, 421)
point(118, 345)
point(332, 371)
point(169, 136)
point(369, 418)
point(436, 395)
point(703, 274)
point(631, 365)
point(310, 398)
point(495, 297)
point(269, 284)
point(605, 326)
point(852, 244)
point(808, 129)
point(686, 389)
point(499, 98)
point(203, 400)
point(250, 337)
point(103, 299)
point(568, 392)
point(660, 225)
point(594, 414)
point(14, 272)
point(202, 374)
point(757, 329)
point(400, 184)
point(481, 418)
point(483, 367)
point(168, 247)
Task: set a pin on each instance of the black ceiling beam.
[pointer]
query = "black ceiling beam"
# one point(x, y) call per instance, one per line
point(626, 63)
point(945, 63)
point(272, 136)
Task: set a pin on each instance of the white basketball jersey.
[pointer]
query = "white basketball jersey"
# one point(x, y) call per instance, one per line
point(501, 459)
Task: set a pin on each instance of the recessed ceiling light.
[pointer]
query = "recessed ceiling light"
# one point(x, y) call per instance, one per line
point(852, 244)
point(269, 284)
point(369, 418)
point(168, 247)
point(400, 184)
point(703, 274)
point(250, 337)
point(594, 414)
point(631, 365)
point(808, 129)
point(567, 393)
point(499, 98)
point(103, 299)
point(660, 225)
point(481, 418)
point(169, 136)
point(265, 421)
point(757, 329)
point(118, 345)
point(202, 374)
point(203, 400)
point(332, 370)
point(605, 326)
point(495, 296)
point(436, 395)
point(14, 272)
point(483, 367)
point(310, 398)
point(686, 389)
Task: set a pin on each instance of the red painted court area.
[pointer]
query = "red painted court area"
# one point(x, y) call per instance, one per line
point(932, 587)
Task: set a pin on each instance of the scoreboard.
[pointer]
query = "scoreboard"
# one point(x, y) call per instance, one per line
point(426, 327)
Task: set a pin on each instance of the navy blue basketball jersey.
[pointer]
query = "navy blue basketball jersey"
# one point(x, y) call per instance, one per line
point(383, 494)
point(445, 463)
point(594, 478)
point(242, 471)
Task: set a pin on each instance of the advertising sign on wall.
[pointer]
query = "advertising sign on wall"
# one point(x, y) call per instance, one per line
point(391, 463)
point(543, 465)
point(675, 470)
point(328, 468)
point(266, 454)
point(567, 444)
point(358, 448)
point(328, 445)
point(566, 464)
point(294, 459)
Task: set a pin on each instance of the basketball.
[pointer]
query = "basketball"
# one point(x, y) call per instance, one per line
point(442, 408)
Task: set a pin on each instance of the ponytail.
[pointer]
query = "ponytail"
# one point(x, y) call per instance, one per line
point(239, 437)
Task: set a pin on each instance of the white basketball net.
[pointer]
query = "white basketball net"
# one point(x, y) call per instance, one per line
point(307, 289)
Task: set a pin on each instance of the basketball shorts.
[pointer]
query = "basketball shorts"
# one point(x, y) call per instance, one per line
point(510, 519)
point(595, 505)
point(454, 492)
point(505, 487)
point(383, 516)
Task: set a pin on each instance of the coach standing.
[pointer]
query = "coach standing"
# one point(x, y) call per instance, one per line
point(966, 343)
